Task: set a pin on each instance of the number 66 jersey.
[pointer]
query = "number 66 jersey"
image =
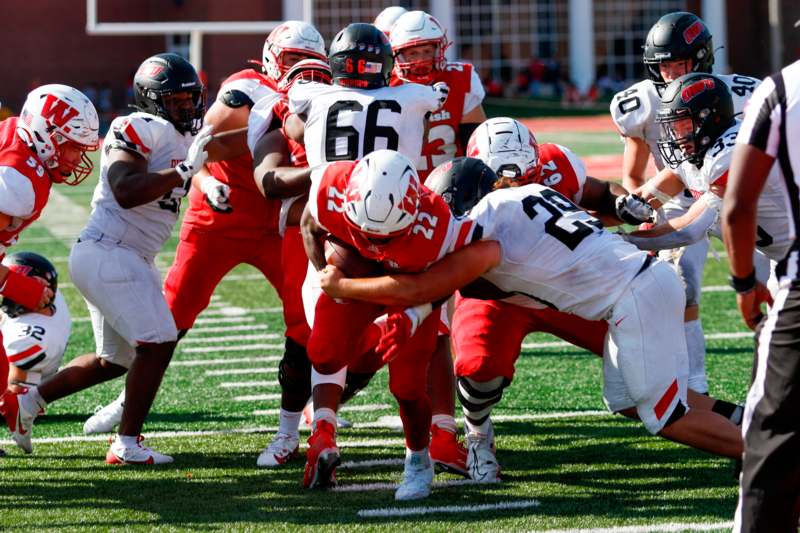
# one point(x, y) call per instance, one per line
point(553, 252)
point(344, 123)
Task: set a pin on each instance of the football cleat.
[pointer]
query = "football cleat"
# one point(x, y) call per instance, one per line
point(20, 410)
point(119, 454)
point(417, 478)
point(105, 419)
point(481, 460)
point(282, 448)
point(308, 418)
point(322, 457)
point(447, 453)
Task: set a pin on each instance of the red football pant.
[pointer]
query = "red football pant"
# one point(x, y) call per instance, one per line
point(294, 263)
point(203, 258)
point(3, 367)
point(487, 335)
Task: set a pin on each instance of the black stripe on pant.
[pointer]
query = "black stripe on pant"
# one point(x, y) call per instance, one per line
point(770, 483)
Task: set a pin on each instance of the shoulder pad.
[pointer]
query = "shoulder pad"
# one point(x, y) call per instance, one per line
point(235, 98)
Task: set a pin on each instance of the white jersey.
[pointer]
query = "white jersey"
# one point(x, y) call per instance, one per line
point(260, 118)
point(344, 124)
point(146, 227)
point(553, 252)
point(634, 110)
point(35, 342)
point(775, 233)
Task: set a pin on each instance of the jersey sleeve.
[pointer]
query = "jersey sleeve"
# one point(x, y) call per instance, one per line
point(24, 345)
point(17, 197)
point(134, 133)
point(576, 170)
point(243, 91)
point(762, 119)
point(302, 94)
point(631, 110)
point(475, 94)
point(422, 95)
point(313, 194)
point(261, 116)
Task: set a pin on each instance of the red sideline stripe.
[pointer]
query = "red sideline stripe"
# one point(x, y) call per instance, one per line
point(666, 400)
point(463, 233)
point(22, 355)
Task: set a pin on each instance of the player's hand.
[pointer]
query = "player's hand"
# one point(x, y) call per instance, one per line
point(197, 155)
point(750, 304)
point(442, 90)
point(47, 295)
point(217, 194)
point(633, 209)
point(398, 331)
point(330, 279)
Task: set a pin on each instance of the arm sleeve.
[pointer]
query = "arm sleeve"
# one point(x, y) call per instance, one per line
point(17, 197)
point(762, 118)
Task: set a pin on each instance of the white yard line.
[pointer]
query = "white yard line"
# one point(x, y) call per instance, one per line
point(369, 487)
point(368, 408)
point(240, 311)
point(246, 384)
point(221, 329)
point(451, 509)
point(226, 361)
point(710, 336)
point(231, 338)
point(371, 463)
point(257, 398)
point(394, 422)
point(670, 527)
point(225, 320)
point(234, 348)
point(241, 371)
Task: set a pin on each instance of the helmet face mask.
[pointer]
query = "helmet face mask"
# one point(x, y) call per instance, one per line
point(306, 71)
point(678, 36)
point(288, 44)
point(509, 148)
point(413, 31)
point(166, 85)
point(28, 264)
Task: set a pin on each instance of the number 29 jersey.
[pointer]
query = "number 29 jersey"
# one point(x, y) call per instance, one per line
point(344, 123)
point(553, 252)
point(146, 227)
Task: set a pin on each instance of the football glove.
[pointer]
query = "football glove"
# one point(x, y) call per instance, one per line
point(400, 327)
point(633, 209)
point(196, 156)
point(217, 194)
point(442, 91)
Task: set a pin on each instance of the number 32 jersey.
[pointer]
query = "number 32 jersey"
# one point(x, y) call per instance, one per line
point(344, 123)
point(146, 227)
point(553, 252)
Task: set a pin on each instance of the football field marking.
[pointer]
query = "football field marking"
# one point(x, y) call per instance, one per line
point(371, 463)
point(234, 348)
point(654, 528)
point(710, 337)
point(241, 371)
point(257, 397)
point(229, 338)
point(245, 384)
point(221, 329)
point(227, 361)
point(225, 320)
point(367, 408)
point(369, 487)
point(413, 511)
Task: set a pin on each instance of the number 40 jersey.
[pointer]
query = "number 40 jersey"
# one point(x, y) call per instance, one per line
point(345, 123)
point(553, 252)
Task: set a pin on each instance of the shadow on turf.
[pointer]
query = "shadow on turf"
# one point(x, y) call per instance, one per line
point(575, 468)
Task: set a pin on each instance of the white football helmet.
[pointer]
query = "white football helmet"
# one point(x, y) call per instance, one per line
point(386, 18)
point(53, 117)
point(291, 36)
point(382, 195)
point(417, 28)
point(507, 147)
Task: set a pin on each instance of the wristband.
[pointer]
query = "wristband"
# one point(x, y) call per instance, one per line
point(417, 315)
point(24, 290)
point(655, 192)
point(745, 284)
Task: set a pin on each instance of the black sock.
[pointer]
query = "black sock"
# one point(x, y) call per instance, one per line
point(729, 410)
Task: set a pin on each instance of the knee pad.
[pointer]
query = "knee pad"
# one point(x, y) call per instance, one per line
point(294, 370)
point(478, 397)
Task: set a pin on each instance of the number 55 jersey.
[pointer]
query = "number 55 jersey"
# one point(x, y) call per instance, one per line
point(344, 123)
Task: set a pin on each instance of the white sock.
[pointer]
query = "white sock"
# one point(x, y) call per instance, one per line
point(483, 429)
point(33, 394)
point(325, 413)
point(418, 456)
point(289, 422)
point(121, 398)
point(445, 422)
point(696, 346)
point(129, 441)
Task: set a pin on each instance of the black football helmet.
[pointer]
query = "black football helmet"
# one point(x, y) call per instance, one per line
point(361, 56)
point(28, 264)
point(462, 182)
point(678, 36)
point(707, 101)
point(163, 75)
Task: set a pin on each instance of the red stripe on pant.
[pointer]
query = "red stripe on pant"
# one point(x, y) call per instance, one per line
point(666, 400)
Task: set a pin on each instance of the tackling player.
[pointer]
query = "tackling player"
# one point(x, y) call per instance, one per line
point(677, 44)
point(46, 144)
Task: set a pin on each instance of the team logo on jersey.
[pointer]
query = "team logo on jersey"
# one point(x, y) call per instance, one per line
point(440, 116)
point(57, 111)
point(691, 33)
point(696, 88)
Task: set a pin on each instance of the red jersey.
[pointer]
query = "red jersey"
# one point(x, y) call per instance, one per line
point(252, 213)
point(434, 232)
point(442, 143)
point(24, 183)
point(562, 171)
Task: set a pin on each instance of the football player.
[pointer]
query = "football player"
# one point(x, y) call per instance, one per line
point(386, 19)
point(378, 207)
point(149, 159)
point(535, 245)
point(46, 144)
point(34, 341)
point(678, 43)
point(228, 223)
point(698, 133)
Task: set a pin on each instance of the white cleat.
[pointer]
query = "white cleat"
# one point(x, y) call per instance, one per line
point(282, 448)
point(481, 460)
point(21, 410)
point(417, 478)
point(119, 454)
point(105, 419)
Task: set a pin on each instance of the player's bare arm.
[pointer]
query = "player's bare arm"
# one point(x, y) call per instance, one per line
point(749, 170)
point(132, 184)
point(272, 179)
point(313, 239)
point(658, 190)
point(634, 163)
point(441, 280)
point(295, 127)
